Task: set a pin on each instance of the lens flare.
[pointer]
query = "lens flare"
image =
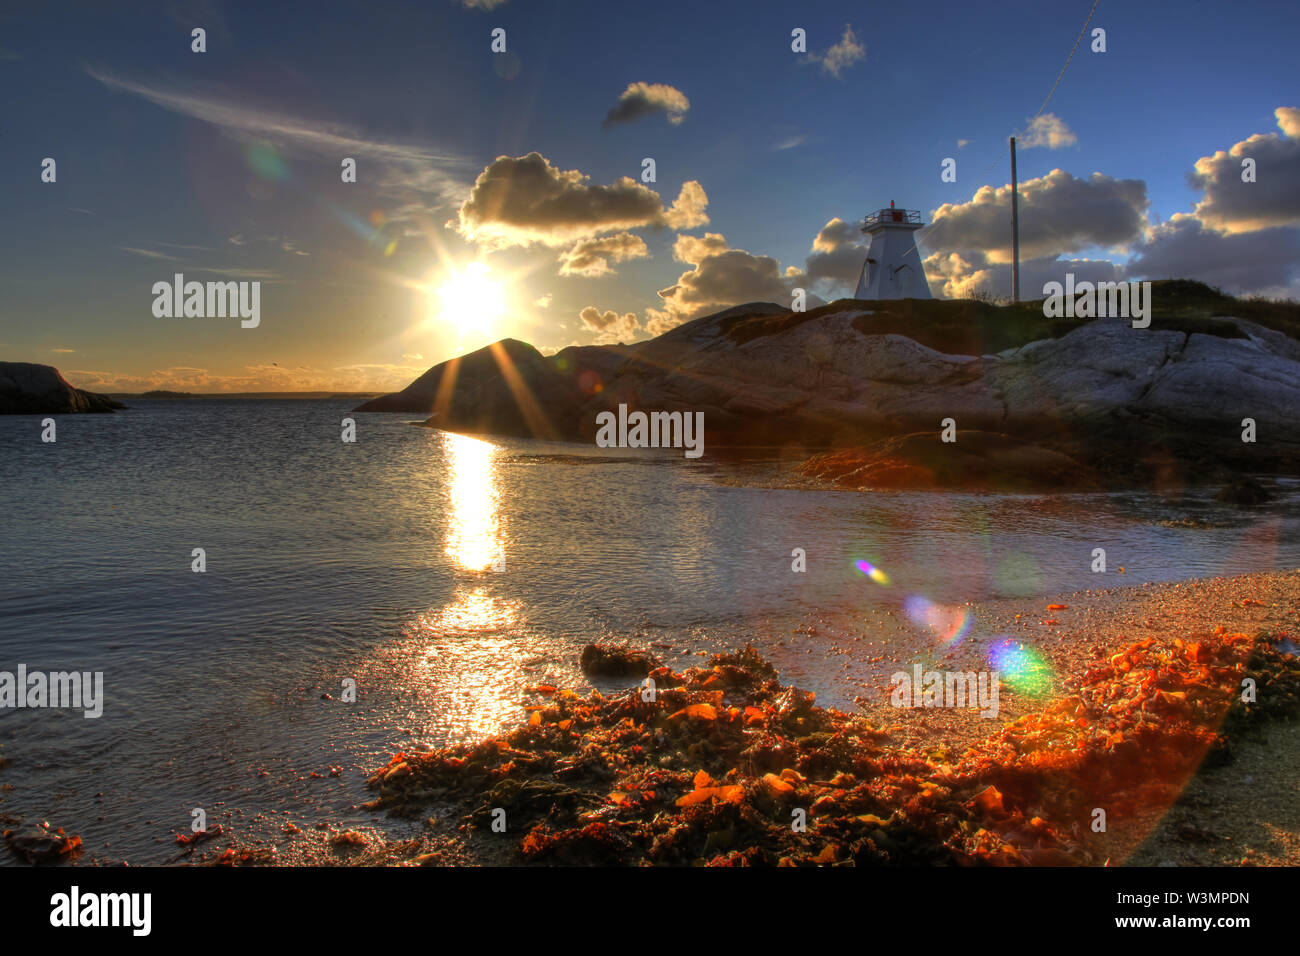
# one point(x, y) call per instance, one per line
point(264, 160)
point(949, 624)
point(873, 572)
point(1024, 669)
point(358, 226)
point(1018, 574)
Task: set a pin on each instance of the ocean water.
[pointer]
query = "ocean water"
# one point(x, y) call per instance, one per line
point(373, 562)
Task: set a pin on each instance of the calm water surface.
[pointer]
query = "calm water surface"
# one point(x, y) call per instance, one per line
point(374, 562)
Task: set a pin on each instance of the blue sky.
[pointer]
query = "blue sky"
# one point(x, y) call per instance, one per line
point(225, 165)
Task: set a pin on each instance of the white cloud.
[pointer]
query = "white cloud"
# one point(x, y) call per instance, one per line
point(1047, 130)
point(594, 257)
point(1059, 213)
point(648, 99)
point(147, 253)
point(526, 199)
point(1272, 199)
point(611, 326)
point(414, 167)
point(266, 377)
point(1264, 261)
point(1288, 119)
point(719, 277)
point(843, 54)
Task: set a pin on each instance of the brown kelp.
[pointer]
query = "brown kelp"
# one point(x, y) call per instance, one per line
point(724, 765)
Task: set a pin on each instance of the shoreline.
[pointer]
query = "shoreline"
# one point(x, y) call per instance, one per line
point(1094, 626)
point(976, 540)
point(1097, 622)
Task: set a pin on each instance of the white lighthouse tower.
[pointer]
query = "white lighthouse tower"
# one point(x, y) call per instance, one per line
point(893, 268)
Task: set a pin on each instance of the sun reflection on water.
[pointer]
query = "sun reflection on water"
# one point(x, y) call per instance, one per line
point(472, 662)
point(473, 530)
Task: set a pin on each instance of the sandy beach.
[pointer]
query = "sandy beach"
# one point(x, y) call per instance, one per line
point(1092, 625)
point(1245, 813)
point(1239, 809)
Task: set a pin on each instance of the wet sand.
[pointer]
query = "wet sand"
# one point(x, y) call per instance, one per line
point(1093, 625)
point(1244, 813)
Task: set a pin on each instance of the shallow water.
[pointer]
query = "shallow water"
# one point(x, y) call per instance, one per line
point(374, 562)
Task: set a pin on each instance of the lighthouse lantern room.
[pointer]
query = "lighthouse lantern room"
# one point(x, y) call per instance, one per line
point(893, 268)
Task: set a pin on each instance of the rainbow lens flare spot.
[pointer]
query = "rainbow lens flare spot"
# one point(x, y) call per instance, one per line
point(1024, 669)
point(873, 572)
point(263, 159)
point(949, 624)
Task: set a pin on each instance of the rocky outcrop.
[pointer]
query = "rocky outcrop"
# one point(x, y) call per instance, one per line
point(609, 660)
point(30, 389)
point(1089, 402)
point(506, 388)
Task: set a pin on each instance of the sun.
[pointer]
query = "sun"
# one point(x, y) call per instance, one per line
point(472, 298)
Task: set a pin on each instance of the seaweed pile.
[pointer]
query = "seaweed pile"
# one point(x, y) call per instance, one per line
point(723, 765)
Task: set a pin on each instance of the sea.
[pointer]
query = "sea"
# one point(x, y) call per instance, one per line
point(276, 611)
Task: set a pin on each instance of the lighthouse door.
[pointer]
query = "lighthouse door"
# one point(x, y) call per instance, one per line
point(903, 281)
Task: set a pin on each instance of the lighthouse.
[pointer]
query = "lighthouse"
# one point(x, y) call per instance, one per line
point(893, 268)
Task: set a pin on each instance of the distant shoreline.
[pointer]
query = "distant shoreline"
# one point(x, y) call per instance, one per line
point(242, 396)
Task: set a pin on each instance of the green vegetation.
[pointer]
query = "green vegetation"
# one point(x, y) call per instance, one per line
point(981, 327)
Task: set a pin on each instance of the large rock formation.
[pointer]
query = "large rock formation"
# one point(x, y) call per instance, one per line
point(1097, 400)
point(30, 389)
point(506, 388)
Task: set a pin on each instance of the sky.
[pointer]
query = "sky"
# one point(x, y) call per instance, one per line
point(506, 193)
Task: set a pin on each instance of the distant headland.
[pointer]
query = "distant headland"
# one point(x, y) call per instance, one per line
point(30, 389)
point(164, 395)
